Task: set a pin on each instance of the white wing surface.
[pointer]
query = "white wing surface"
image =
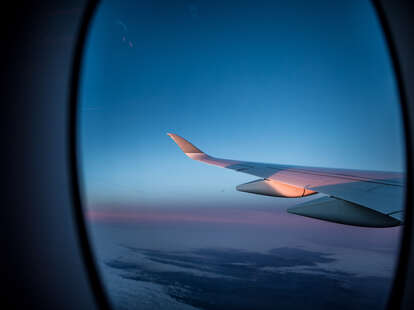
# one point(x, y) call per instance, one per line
point(355, 197)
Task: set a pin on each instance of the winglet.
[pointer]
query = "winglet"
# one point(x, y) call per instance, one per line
point(184, 145)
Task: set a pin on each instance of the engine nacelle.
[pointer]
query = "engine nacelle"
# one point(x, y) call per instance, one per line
point(274, 188)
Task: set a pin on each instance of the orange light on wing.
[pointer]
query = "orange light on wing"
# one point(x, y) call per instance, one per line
point(274, 188)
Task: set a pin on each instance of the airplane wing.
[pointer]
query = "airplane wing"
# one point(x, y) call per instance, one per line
point(354, 197)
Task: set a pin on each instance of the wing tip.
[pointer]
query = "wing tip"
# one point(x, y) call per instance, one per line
point(183, 144)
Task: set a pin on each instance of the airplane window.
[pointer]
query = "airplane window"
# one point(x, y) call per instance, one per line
point(241, 155)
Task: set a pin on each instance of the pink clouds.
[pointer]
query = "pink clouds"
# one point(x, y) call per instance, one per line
point(275, 224)
point(218, 216)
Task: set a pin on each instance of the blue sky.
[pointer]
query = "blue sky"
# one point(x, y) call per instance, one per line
point(275, 82)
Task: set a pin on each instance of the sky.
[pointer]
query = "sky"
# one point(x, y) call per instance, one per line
point(277, 82)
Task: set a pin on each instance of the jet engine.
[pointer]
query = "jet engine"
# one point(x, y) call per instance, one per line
point(274, 188)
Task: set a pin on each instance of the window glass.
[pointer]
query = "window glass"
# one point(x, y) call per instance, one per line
point(302, 83)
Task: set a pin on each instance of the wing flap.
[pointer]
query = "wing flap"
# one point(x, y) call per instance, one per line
point(343, 212)
point(398, 216)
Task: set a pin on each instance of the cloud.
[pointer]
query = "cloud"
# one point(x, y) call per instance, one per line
point(214, 216)
point(243, 279)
